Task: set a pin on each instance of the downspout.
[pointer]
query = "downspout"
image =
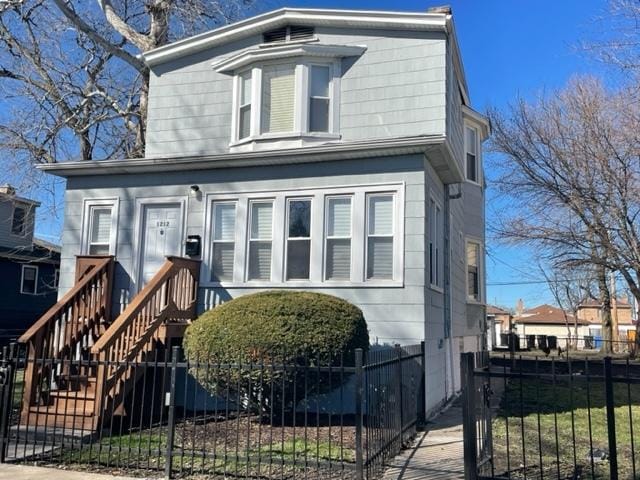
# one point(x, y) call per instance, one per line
point(448, 300)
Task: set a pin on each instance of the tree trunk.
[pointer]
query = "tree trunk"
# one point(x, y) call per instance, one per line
point(605, 302)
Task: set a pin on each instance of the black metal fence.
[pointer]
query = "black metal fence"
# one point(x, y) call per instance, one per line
point(542, 418)
point(563, 346)
point(188, 417)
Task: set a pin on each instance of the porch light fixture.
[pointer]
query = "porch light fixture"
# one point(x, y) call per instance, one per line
point(195, 192)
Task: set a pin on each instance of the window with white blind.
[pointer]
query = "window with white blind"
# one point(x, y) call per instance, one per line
point(278, 97)
point(276, 101)
point(223, 249)
point(298, 238)
point(29, 280)
point(338, 238)
point(380, 236)
point(100, 227)
point(471, 153)
point(100, 230)
point(473, 271)
point(343, 236)
point(260, 240)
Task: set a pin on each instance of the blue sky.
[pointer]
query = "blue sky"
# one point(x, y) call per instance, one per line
point(509, 48)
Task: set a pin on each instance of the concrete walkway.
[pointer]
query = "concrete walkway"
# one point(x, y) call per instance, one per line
point(436, 454)
point(25, 472)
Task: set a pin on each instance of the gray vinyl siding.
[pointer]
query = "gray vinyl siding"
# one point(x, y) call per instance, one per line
point(396, 88)
point(394, 314)
point(455, 124)
point(7, 239)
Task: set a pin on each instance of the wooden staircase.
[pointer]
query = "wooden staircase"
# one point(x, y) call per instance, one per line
point(78, 368)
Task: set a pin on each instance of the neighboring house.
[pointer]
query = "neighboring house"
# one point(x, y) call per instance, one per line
point(498, 321)
point(551, 321)
point(591, 312)
point(29, 267)
point(325, 150)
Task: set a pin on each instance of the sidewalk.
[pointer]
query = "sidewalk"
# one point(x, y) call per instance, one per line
point(25, 472)
point(437, 453)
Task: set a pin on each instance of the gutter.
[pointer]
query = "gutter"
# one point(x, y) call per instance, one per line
point(322, 153)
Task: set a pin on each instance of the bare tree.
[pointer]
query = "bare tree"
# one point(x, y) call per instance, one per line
point(569, 163)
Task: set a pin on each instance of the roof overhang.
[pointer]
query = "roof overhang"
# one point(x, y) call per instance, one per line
point(259, 24)
point(315, 50)
point(15, 198)
point(433, 146)
point(480, 120)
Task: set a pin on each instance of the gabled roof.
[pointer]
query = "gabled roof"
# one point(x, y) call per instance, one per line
point(437, 20)
point(548, 315)
point(493, 310)
point(590, 303)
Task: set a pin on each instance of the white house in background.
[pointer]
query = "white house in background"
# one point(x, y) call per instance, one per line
point(327, 150)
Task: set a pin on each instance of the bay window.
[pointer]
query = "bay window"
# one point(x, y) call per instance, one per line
point(278, 98)
point(260, 240)
point(244, 106)
point(471, 150)
point(224, 221)
point(338, 238)
point(298, 239)
point(380, 237)
point(319, 99)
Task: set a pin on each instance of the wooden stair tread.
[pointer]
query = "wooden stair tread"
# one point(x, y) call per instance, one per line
point(53, 411)
point(79, 395)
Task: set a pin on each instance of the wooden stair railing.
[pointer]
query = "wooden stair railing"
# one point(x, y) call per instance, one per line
point(170, 296)
point(69, 327)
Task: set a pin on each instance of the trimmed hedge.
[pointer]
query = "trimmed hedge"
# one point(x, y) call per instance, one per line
point(280, 324)
point(290, 327)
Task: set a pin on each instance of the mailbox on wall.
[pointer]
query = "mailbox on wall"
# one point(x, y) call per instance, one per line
point(192, 246)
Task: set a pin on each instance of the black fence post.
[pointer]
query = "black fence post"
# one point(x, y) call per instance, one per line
point(611, 419)
point(171, 416)
point(469, 417)
point(6, 381)
point(359, 384)
point(400, 393)
point(422, 395)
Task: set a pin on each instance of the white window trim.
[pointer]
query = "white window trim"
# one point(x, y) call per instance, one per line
point(326, 238)
point(213, 222)
point(301, 103)
point(367, 235)
point(247, 240)
point(478, 182)
point(278, 249)
point(481, 285)
point(35, 288)
point(114, 203)
point(438, 244)
point(288, 239)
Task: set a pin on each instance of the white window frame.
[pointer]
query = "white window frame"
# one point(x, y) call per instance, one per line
point(250, 202)
point(89, 205)
point(233, 202)
point(481, 286)
point(393, 234)
point(288, 239)
point(301, 101)
point(319, 195)
point(436, 236)
point(327, 237)
point(35, 286)
point(478, 180)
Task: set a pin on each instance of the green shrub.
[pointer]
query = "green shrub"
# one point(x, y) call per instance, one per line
point(275, 328)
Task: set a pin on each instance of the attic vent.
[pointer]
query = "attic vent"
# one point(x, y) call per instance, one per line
point(288, 34)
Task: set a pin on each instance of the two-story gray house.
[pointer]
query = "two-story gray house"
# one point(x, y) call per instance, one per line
point(327, 150)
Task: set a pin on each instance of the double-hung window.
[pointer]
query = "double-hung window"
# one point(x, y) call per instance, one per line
point(19, 220)
point(244, 105)
point(278, 98)
point(471, 149)
point(473, 271)
point(338, 238)
point(29, 280)
point(298, 238)
point(260, 240)
point(380, 236)
point(224, 227)
point(319, 98)
point(99, 230)
point(435, 243)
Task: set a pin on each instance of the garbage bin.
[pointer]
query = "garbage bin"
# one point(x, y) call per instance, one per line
point(597, 342)
point(552, 341)
point(588, 342)
point(531, 342)
point(542, 342)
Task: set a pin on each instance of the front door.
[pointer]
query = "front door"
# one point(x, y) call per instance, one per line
point(161, 237)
